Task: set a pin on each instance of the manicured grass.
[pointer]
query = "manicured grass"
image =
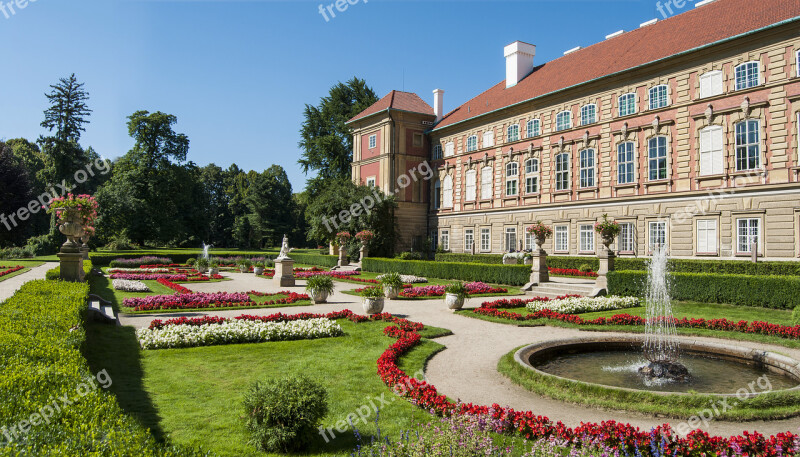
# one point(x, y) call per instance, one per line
point(28, 264)
point(768, 406)
point(194, 395)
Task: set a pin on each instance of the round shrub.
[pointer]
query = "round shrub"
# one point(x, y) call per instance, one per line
point(796, 315)
point(585, 268)
point(282, 415)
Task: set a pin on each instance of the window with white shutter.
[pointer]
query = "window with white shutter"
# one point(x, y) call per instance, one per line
point(711, 84)
point(449, 149)
point(711, 154)
point(447, 192)
point(488, 139)
point(487, 190)
point(707, 236)
point(471, 179)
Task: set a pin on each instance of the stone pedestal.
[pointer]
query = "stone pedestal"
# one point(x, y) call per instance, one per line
point(284, 273)
point(85, 252)
point(539, 272)
point(364, 251)
point(606, 258)
point(71, 265)
point(333, 249)
point(343, 262)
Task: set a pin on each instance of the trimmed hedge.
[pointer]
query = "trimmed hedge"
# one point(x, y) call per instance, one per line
point(743, 267)
point(41, 330)
point(54, 274)
point(315, 259)
point(746, 290)
point(512, 275)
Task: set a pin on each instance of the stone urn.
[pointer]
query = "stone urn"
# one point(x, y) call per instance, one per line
point(540, 240)
point(71, 226)
point(607, 240)
point(391, 292)
point(258, 271)
point(453, 301)
point(373, 305)
point(319, 296)
point(243, 268)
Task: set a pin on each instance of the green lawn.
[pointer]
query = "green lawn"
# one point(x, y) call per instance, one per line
point(28, 264)
point(193, 396)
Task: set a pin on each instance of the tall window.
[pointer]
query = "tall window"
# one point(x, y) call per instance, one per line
point(445, 240)
point(748, 231)
point(658, 234)
point(561, 234)
point(657, 158)
point(434, 240)
point(562, 171)
point(533, 128)
point(373, 141)
point(711, 84)
point(748, 148)
point(471, 178)
point(563, 120)
point(469, 239)
point(587, 238)
point(625, 163)
point(746, 75)
point(472, 143)
point(449, 149)
point(706, 236)
point(530, 241)
point(437, 152)
point(487, 184)
point(486, 240)
point(626, 234)
point(531, 176)
point(588, 114)
point(711, 157)
point(513, 133)
point(627, 105)
point(447, 192)
point(512, 179)
point(437, 194)
point(587, 168)
point(511, 239)
point(488, 139)
point(658, 97)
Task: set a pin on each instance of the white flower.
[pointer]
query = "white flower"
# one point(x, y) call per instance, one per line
point(236, 331)
point(408, 279)
point(129, 286)
point(577, 305)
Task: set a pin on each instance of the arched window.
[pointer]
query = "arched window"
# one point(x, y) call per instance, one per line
point(472, 143)
point(657, 158)
point(513, 133)
point(748, 146)
point(747, 75)
point(658, 97)
point(563, 120)
point(534, 128)
point(512, 179)
point(627, 104)
point(588, 114)
point(447, 192)
point(531, 176)
point(471, 185)
point(487, 183)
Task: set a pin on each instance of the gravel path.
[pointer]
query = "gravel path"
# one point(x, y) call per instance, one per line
point(11, 285)
point(467, 369)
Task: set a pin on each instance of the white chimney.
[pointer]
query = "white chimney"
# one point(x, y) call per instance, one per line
point(438, 104)
point(519, 61)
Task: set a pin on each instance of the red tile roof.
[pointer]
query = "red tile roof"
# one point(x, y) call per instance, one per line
point(397, 100)
point(695, 28)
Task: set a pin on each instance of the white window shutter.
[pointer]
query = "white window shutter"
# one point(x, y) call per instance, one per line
point(716, 83)
point(702, 236)
point(705, 152)
point(705, 85)
point(717, 164)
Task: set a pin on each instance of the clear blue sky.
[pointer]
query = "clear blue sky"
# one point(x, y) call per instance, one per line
point(238, 73)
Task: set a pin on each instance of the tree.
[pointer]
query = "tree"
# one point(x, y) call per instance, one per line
point(326, 141)
point(339, 196)
point(68, 110)
point(271, 206)
point(16, 192)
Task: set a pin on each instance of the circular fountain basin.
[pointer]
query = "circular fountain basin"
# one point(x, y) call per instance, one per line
point(614, 362)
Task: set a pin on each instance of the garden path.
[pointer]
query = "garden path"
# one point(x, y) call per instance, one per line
point(9, 286)
point(467, 369)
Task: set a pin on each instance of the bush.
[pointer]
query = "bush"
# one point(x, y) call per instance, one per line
point(514, 275)
point(104, 258)
point(120, 243)
point(282, 415)
point(762, 291)
point(585, 268)
point(411, 256)
point(46, 244)
point(16, 253)
point(796, 315)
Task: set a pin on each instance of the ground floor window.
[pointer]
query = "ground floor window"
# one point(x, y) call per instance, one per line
point(707, 236)
point(748, 231)
point(561, 238)
point(445, 240)
point(658, 235)
point(434, 241)
point(587, 238)
point(511, 239)
point(530, 241)
point(469, 240)
point(626, 232)
point(486, 240)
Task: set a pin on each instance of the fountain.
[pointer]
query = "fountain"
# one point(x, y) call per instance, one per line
point(661, 338)
point(206, 247)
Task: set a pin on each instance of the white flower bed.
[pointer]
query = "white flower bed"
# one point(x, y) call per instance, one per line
point(408, 279)
point(233, 332)
point(578, 305)
point(130, 286)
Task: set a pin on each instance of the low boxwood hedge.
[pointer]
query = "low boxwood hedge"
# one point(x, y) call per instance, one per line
point(763, 291)
point(41, 330)
point(512, 275)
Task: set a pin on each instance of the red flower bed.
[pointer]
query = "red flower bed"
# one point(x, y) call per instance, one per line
point(572, 272)
point(176, 287)
point(8, 270)
point(192, 303)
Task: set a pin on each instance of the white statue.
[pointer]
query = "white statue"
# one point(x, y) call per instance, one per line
point(284, 248)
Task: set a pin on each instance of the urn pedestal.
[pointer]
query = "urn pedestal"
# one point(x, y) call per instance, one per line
point(606, 258)
point(284, 273)
point(539, 271)
point(85, 247)
point(364, 251)
point(343, 262)
point(70, 255)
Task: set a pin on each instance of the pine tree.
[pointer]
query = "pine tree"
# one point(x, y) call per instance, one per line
point(68, 111)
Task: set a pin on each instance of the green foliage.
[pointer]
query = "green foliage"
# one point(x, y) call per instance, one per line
point(141, 260)
point(320, 283)
point(392, 280)
point(270, 203)
point(585, 268)
point(16, 253)
point(457, 288)
point(55, 273)
point(796, 315)
point(763, 291)
point(41, 328)
point(282, 415)
point(16, 190)
point(514, 275)
point(412, 255)
point(373, 292)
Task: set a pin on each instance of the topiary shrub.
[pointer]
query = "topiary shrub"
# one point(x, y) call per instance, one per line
point(796, 315)
point(585, 268)
point(282, 415)
point(411, 256)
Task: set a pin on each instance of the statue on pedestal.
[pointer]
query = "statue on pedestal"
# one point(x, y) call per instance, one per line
point(284, 254)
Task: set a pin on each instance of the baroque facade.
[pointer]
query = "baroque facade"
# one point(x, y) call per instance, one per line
point(684, 130)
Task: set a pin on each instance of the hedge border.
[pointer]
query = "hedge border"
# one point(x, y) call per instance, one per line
point(512, 275)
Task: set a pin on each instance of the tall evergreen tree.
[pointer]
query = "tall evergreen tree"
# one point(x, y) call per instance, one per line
point(68, 111)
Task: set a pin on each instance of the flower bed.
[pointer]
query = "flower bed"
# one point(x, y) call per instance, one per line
point(572, 272)
point(135, 263)
point(621, 437)
point(473, 288)
point(176, 287)
point(141, 270)
point(335, 274)
point(129, 286)
point(577, 305)
point(186, 299)
point(408, 279)
point(235, 332)
point(8, 270)
point(149, 277)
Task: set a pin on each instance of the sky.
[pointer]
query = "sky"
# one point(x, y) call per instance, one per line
point(238, 73)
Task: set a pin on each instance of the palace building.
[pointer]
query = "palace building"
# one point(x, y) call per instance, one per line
point(684, 130)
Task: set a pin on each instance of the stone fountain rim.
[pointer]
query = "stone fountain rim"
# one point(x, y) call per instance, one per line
point(785, 365)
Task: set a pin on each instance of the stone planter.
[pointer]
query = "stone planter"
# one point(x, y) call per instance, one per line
point(391, 292)
point(607, 241)
point(319, 296)
point(453, 301)
point(243, 269)
point(201, 270)
point(528, 260)
point(373, 305)
point(214, 271)
point(258, 271)
point(509, 261)
point(71, 226)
